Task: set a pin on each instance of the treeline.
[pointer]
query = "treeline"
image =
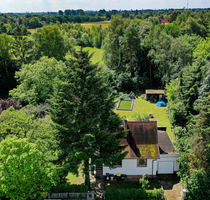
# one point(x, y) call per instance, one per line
point(32, 21)
point(140, 53)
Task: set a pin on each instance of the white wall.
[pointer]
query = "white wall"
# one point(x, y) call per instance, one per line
point(129, 166)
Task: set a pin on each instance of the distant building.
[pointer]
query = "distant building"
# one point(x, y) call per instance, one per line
point(164, 21)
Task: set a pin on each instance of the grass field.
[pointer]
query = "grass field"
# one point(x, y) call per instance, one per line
point(125, 104)
point(104, 24)
point(97, 54)
point(144, 107)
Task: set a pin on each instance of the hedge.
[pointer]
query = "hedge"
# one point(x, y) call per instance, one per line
point(133, 194)
point(65, 187)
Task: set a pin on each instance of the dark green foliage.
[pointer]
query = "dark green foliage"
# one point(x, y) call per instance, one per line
point(84, 120)
point(198, 185)
point(7, 66)
point(133, 194)
point(177, 113)
point(70, 188)
point(22, 47)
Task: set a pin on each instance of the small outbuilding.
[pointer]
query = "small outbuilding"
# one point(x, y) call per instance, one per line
point(155, 95)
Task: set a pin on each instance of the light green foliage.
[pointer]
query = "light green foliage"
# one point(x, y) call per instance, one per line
point(24, 172)
point(144, 183)
point(49, 42)
point(10, 118)
point(36, 80)
point(203, 49)
point(173, 29)
point(172, 90)
point(5, 47)
point(23, 124)
point(138, 117)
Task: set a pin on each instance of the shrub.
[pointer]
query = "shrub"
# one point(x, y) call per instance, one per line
point(133, 194)
point(65, 187)
point(144, 183)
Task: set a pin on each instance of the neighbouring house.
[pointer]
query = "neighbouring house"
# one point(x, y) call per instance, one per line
point(150, 151)
point(155, 95)
point(164, 21)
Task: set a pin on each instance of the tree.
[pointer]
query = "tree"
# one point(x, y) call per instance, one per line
point(49, 42)
point(7, 66)
point(5, 104)
point(36, 80)
point(198, 185)
point(83, 117)
point(132, 42)
point(22, 47)
point(24, 172)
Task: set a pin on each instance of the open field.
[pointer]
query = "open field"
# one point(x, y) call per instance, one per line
point(104, 24)
point(97, 54)
point(144, 107)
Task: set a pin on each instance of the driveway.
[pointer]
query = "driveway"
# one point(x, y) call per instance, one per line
point(171, 185)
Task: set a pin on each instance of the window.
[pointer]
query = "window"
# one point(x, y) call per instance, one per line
point(141, 162)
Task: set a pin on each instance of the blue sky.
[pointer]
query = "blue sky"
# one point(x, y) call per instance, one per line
point(55, 5)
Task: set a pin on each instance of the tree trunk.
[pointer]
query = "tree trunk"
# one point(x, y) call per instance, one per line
point(99, 188)
point(131, 61)
point(87, 174)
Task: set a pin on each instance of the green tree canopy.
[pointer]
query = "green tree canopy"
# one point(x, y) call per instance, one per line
point(24, 172)
point(49, 42)
point(36, 80)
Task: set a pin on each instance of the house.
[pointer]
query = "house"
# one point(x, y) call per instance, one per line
point(150, 151)
point(164, 21)
point(155, 95)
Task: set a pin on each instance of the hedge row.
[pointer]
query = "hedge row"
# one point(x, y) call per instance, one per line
point(133, 194)
point(65, 187)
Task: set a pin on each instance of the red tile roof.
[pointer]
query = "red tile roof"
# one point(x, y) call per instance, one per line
point(164, 21)
point(142, 139)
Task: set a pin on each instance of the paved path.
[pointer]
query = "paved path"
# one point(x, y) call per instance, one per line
point(174, 194)
point(171, 186)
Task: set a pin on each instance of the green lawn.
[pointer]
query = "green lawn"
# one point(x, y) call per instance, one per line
point(125, 104)
point(97, 54)
point(144, 107)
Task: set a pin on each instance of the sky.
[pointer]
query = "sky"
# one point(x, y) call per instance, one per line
point(55, 5)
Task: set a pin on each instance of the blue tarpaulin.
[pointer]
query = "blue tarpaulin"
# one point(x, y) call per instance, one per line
point(161, 104)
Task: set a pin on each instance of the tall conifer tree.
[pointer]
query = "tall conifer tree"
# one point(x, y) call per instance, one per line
point(83, 116)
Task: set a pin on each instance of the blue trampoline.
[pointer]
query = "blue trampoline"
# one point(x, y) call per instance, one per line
point(161, 104)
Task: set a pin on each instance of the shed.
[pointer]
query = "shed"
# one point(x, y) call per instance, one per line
point(155, 95)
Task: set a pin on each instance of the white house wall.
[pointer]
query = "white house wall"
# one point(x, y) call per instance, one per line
point(129, 166)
